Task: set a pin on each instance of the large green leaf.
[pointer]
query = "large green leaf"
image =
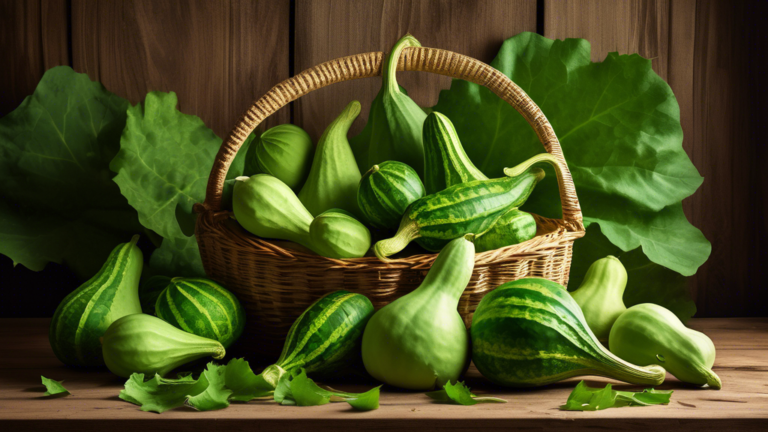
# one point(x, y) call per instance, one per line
point(619, 127)
point(59, 203)
point(177, 257)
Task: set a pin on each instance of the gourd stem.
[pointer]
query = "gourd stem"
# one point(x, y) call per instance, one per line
point(628, 372)
point(543, 157)
point(407, 232)
point(713, 380)
point(390, 66)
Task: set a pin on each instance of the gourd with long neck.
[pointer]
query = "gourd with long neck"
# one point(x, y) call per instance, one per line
point(601, 294)
point(419, 341)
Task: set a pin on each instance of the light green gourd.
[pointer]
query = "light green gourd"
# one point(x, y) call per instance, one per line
point(651, 334)
point(419, 341)
point(335, 233)
point(601, 295)
point(333, 179)
point(284, 151)
point(145, 344)
point(86, 313)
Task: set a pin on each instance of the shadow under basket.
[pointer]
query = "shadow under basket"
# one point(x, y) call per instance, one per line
point(276, 282)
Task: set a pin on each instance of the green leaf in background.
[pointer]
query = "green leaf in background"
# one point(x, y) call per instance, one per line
point(647, 282)
point(160, 394)
point(59, 202)
point(177, 257)
point(619, 128)
point(459, 394)
point(150, 290)
point(584, 398)
point(54, 388)
point(216, 394)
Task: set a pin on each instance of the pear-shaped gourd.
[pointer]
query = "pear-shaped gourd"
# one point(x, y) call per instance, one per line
point(419, 341)
point(601, 294)
point(268, 208)
point(335, 233)
point(393, 131)
point(285, 151)
point(145, 344)
point(649, 333)
point(86, 313)
point(445, 161)
point(333, 179)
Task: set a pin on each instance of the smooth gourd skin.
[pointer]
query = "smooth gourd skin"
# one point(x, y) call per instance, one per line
point(86, 313)
point(445, 161)
point(145, 344)
point(649, 333)
point(530, 332)
point(385, 192)
point(601, 295)
point(285, 151)
point(419, 341)
point(202, 307)
point(336, 233)
point(333, 179)
point(393, 130)
point(268, 208)
point(514, 227)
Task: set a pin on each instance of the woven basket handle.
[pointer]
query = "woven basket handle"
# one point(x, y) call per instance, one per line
point(369, 65)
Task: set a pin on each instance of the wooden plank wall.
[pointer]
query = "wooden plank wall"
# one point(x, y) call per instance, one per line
point(220, 55)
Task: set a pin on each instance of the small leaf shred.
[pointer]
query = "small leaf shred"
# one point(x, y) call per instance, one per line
point(459, 394)
point(54, 388)
point(584, 398)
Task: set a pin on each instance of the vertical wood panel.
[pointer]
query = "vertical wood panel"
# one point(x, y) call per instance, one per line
point(33, 38)
point(329, 29)
point(218, 56)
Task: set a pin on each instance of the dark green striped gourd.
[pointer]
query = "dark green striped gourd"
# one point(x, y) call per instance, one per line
point(202, 307)
point(530, 332)
point(514, 227)
point(466, 208)
point(385, 191)
point(325, 339)
point(445, 161)
point(86, 313)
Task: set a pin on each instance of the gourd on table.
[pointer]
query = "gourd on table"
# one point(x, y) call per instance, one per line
point(385, 192)
point(601, 295)
point(648, 333)
point(419, 341)
point(530, 332)
point(86, 313)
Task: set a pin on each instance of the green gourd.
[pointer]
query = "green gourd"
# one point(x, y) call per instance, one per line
point(385, 192)
point(268, 208)
point(601, 294)
point(284, 151)
point(325, 339)
point(472, 207)
point(514, 227)
point(531, 332)
point(419, 341)
point(393, 131)
point(86, 313)
point(445, 161)
point(648, 333)
point(333, 179)
point(145, 344)
point(336, 233)
point(202, 307)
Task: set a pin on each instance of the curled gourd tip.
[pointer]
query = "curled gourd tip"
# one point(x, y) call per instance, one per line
point(241, 178)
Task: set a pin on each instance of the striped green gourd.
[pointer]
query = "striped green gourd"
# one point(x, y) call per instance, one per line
point(530, 332)
point(466, 208)
point(514, 227)
point(385, 191)
point(325, 339)
point(202, 307)
point(445, 161)
point(86, 313)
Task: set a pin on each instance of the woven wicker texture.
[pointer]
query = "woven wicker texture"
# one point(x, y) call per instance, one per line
point(277, 281)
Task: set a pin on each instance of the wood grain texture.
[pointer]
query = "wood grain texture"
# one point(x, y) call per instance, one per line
point(33, 38)
point(330, 29)
point(218, 56)
point(742, 363)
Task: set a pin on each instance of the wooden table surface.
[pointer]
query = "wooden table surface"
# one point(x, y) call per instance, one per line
point(742, 363)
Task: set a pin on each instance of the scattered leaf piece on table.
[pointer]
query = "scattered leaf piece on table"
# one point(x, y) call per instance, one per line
point(54, 388)
point(459, 393)
point(584, 398)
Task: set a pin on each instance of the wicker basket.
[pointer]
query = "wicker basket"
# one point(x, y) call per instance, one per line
point(276, 283)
